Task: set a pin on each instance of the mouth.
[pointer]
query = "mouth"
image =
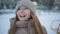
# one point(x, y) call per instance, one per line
point(22, 15)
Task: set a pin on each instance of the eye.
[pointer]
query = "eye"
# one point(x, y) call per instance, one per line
point(18, 9)
point(26, 8)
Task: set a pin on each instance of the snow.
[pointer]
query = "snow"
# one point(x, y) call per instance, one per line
point(45, 19)
point(5, 23)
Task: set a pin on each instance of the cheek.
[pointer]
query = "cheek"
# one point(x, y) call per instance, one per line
point(18, 12)
point(27, 12)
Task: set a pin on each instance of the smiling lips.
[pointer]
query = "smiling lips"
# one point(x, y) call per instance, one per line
point(22, 15)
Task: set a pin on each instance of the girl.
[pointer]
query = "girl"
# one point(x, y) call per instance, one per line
point(25, 21)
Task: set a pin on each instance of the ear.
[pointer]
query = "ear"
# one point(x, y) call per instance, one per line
point(37, 24)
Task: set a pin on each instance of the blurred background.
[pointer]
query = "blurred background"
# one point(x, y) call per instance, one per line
point(48, 13)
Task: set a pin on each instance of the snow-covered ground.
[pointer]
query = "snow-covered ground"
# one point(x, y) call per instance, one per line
point(45, 19)
point(5, 23)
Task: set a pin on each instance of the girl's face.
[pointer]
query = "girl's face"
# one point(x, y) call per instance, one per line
point(23, 13)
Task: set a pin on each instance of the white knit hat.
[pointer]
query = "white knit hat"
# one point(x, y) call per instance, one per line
point(26, 3)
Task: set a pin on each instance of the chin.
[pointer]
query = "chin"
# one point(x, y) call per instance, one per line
point(23, 19)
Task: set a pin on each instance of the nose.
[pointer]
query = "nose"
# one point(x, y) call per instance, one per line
point(22, 11)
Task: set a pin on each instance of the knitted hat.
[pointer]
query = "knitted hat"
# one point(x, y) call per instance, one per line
point(26, 3)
